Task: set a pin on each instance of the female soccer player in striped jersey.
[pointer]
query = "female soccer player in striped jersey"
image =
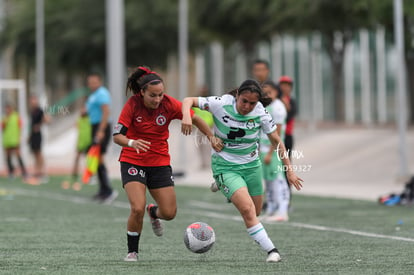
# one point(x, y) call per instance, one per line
point(142, 131)
point(277, 189)
point(238, 119)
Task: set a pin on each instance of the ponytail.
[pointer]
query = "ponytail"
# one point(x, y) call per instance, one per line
point(140, 78)
point(274, 86)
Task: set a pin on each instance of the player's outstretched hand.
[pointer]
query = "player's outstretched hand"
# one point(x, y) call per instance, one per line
point(186, 125)
point(294, 180)
point(141, 145)
point(216, 143)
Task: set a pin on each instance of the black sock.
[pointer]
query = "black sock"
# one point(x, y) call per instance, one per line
point(153, 212)
point(133, 242)
point(273, 250)
point(22, 167)
point(10, 165)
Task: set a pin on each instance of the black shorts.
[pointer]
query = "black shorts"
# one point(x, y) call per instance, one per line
point(152, 176)
point(35, 142)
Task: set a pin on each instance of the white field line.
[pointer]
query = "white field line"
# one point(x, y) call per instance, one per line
point(60, 197)
point(298, 225)
point(204, 205)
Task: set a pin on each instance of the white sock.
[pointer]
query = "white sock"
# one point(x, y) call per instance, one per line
point(259, 235)
point(282, 194)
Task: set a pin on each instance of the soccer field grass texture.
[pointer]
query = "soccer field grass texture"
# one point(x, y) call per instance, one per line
point(47, 230)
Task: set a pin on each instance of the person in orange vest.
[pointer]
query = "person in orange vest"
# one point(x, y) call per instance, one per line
point(11, 126)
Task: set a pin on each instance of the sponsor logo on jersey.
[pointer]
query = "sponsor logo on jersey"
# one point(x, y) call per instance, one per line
point(236, 133)
point(160, 120)
point(133, 171)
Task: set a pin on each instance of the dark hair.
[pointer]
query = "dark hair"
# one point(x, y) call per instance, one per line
point(251, 86)
point(274, 86)
point(98, 75)
point(261, 61)
point(140, 78)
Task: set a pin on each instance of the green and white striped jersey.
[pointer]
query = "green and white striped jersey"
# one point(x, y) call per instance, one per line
point(240, 133)
point(278, 112)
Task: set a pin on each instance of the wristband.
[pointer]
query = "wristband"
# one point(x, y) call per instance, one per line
point(130, 142)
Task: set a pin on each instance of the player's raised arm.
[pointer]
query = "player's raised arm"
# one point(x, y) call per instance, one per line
point(187, 123)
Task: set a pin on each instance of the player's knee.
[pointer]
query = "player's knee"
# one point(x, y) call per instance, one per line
point(248, 211)
point(168, 214)
point(137, 212)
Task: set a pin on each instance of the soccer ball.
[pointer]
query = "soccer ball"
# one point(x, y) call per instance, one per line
point(199, 237)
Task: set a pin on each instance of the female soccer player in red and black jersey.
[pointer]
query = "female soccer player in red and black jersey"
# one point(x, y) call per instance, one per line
point(142, 131)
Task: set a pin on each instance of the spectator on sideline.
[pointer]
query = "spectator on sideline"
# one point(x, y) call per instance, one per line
point(12, 126)
point(277, 188)
point(261, 71)
point(98, 107)
point(84, 140)
point(37, 118)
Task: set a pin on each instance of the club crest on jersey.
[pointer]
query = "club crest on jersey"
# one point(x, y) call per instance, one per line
point(250, 124)
point(160, 120)
point(206, 107)
point(132, 171)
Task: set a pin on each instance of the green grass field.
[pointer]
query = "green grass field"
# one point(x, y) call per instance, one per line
point(48, 230)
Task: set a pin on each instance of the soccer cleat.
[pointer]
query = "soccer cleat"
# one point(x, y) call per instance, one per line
point(276, 218)
point(97, 197)
point(273, 257)
point(155, 223)
point(109, 199)
point(282, 218)
point(131, 257)
point(214, 187)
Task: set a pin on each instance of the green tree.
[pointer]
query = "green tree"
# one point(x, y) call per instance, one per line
point(252, 21)
point(151, 31)
point(75, 39)
point(74, 34)
point(336, 21)
point(233, 20)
